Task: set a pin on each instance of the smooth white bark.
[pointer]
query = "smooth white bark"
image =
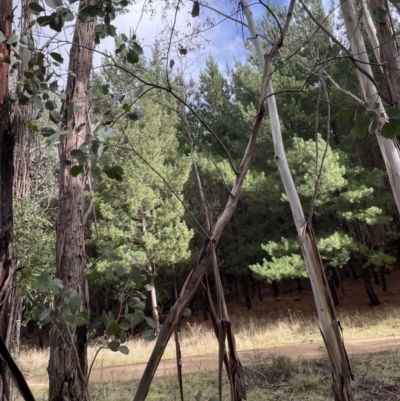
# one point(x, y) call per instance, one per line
point(326, 313)
point(388, 149)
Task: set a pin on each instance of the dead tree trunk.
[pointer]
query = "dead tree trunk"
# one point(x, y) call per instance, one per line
point(8, 290)
point(68, 353)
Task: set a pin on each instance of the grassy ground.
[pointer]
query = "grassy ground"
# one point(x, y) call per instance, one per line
point(251, 333)
point(377, 378)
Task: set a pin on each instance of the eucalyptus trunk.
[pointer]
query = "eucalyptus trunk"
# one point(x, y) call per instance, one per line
point(68, 366)
point(8, 290)
point(328, 323)
point(388, 148)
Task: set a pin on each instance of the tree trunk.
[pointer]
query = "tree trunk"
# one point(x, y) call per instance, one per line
point(246, 294)
point(376, 277)
point(333, 292)
point(203, 304)
point(153, 299)
point(299, 287)
point(275, 287)
point(353, 272)
point(8, 290)
point(259, 292)
point(68, 365)
point(368, 288)
point(382, 271)
point(388, 148)
point(207, 250)
point(24, 138)
point(330, 331)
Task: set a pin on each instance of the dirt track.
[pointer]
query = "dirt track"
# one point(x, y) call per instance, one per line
point(209, 362)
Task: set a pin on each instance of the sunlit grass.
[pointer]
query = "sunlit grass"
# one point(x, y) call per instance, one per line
point(251, 333)
point(270, 379)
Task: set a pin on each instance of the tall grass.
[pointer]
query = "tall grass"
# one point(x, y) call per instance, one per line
point(251, 333)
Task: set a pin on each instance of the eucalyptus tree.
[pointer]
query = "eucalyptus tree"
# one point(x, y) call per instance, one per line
point(8, 268)
point(330, 330)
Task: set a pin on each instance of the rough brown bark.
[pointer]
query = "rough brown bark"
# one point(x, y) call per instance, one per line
point(68, 353)
point(24, 138)
point(8, 291)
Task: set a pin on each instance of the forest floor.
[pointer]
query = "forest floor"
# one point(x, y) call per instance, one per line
point(283, 325)
point(204, 363)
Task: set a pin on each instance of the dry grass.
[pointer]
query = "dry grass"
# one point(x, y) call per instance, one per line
point(274, 378)
point(251, 334)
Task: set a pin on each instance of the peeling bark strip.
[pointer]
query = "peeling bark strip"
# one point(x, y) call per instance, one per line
point(68, 366)
point(8, 291)
point(206, 252)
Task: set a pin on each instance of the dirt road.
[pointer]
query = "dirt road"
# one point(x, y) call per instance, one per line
point(210, 362)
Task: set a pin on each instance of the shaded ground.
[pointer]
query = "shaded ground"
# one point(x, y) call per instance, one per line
point(209, 362)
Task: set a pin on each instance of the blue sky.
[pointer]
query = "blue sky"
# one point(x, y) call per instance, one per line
point(224, 41)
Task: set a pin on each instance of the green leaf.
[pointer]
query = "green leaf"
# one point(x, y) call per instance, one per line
point(214, 398)
point(122, 337)
point(378, 13)
point(373, 127)
point(359, 130)
point(124, 37)
point(55, 286)
point(54, 3)
point(37, 102)
point(44, 21)
point(187, 312)
point(47, 131)
point(26, 272)
point(57, 57)
point(75, 301)
point(149, 335)
point(137, 49)
point(135, 115)
point(105, 89)
point(103, 134)
point(56, 22)
point(50, 105)
point(82, 319)
point(389, 130)
point(33, 127)
point(114, 345)
point(150, 322)
point(2, 37)
point(136, 318)
point(199, 396)
point(44, 317)
point(76, 170)
point(7, 59)
point(132, 57)
point(35, 8)
point(123, 349)
point(112, 328)
point(171, 63)
point(42, 282)
point(55, 116)
point(183, 51)
point(12, 39)
point(195, 9)
point(136, 275)
point(125, 324)
point(120, 270)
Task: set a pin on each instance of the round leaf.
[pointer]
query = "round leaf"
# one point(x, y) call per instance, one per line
point(112, 328)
